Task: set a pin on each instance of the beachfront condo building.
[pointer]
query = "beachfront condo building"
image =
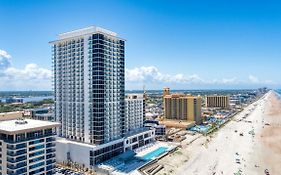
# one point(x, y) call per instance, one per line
point(89, 88)
point(27, 147)
point(134, 112)
point(183, 107)
point(217, 101)
point(89, 84)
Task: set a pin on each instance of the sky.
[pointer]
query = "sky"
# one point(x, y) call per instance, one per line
point(198, 44)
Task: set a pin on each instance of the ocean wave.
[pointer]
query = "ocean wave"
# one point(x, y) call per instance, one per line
point(278, 93)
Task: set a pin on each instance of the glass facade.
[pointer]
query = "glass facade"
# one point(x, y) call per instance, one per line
point(106, 153)
point(106, 65)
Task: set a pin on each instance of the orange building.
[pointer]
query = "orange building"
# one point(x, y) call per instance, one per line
point(216, 101)
point(183, 107)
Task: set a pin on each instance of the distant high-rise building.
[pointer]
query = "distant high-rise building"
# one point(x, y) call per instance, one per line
point(216, 101)
point(27, 147)
point(166, 91)
point(134, 116)
point(183, 107)
point(89, 85)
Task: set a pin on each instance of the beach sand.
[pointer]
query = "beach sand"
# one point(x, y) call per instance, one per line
point(248, 146)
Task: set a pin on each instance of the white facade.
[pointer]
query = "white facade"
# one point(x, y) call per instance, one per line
point(139, 138)
point(134, 109)
point(27, 147)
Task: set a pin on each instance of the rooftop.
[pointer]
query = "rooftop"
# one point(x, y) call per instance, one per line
point(19, 126)
point(87, 30)
point(134, 96)
point(182, 96)
point(84, 31)
point(92, 146)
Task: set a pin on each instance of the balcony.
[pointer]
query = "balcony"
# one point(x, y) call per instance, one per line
point(50, 150)
point(11, 160)
point(51, 161)
point(49, 156)
point(18, 146)
point(14, 167)
point(17, 153)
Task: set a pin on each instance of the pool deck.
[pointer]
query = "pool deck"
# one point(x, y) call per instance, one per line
point(132, 167)
point(150, 148)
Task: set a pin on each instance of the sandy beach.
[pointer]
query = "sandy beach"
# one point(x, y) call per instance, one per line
point(249, 144)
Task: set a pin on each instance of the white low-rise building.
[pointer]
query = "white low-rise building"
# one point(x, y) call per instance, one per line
point(134, 112)
point(90, 155)
point(27, 147)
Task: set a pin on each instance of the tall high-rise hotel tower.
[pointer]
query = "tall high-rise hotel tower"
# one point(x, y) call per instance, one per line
point(89, 85)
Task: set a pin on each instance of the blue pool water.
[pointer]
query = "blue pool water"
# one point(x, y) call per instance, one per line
point(155, 153)
point(200, 128)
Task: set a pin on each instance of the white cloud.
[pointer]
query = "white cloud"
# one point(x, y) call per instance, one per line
point(139, 76)
point(270, 82)
point(229, 80)
point(29, 72)
point(3, 53)
point(34, 77)
point(253, 79)
point(30, 77)
point(224, 81)
point(5, 60)
point(152, 74)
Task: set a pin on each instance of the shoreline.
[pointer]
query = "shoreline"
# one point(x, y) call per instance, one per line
point(227, 152)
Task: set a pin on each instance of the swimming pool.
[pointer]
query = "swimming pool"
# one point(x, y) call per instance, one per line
point(155, 153)
point(200, 128)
